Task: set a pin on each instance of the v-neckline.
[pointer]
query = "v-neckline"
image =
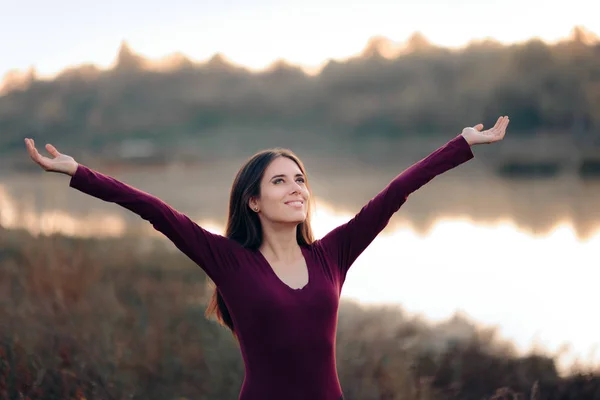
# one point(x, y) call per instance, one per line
point(274, 274)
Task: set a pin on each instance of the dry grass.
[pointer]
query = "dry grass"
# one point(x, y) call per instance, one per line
point(92, 319)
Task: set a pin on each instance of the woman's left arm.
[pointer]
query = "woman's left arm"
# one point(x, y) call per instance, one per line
point(346, 242)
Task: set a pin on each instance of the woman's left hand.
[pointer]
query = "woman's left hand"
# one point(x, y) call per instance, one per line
point(475, 135)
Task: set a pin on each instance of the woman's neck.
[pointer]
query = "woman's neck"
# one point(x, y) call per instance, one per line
point(280, 243)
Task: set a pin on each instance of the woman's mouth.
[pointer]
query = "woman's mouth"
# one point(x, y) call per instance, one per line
point(295, 203)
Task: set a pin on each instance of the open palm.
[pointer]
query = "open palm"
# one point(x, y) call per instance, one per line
point(475, 135)
point(61, 163)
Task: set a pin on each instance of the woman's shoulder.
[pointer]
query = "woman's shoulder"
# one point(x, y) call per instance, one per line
point(318, 252)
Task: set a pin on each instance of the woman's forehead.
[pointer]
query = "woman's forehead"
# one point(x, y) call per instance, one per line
point(283, 166)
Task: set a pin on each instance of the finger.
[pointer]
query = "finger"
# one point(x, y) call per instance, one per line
point(478, 127)
point(35, 155)
point(30, 144)
point(52, 150)
point(506, 121)
point(499, 126)
point(505, 126)
point(498, 123)
point(31, 149)
point(502, 128)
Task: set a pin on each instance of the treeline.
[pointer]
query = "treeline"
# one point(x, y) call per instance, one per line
point(102, 319)
point(423, 89)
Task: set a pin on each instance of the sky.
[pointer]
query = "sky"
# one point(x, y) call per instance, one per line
point(53, 35)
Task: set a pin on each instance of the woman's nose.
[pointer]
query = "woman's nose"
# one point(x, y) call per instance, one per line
point(296, 188)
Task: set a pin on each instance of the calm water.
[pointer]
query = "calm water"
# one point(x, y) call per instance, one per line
point(518, 255)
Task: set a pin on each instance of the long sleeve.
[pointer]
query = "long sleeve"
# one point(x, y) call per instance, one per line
point(206, 249)
point(346, 242)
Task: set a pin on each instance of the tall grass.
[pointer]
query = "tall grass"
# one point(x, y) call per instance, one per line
point(97, 319)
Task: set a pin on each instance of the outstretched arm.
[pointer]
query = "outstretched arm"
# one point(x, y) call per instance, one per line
point(203, 247)
point(346, 242)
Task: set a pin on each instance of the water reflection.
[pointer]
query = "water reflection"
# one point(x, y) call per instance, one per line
point(534, 287)
point(14, 215)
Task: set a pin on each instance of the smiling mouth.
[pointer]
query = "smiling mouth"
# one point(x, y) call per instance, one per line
point(295, 203)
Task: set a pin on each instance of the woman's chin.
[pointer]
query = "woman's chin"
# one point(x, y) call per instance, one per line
point(293, 216)
point(296, 217)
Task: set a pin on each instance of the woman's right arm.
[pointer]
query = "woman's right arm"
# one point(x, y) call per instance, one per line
point(201, 246)
point(206, 249)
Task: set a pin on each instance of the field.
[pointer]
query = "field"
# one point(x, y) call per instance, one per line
point(98, 319)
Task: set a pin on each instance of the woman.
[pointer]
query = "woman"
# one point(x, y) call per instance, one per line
point(277, 289)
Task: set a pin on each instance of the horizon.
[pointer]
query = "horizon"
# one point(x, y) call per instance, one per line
point(387, 48)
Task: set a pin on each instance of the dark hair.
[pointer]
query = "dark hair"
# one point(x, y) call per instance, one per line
point(243, 224)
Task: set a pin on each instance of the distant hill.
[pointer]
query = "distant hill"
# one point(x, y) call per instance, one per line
point(389, 91)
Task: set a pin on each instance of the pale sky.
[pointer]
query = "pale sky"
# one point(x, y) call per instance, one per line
point(51, 35)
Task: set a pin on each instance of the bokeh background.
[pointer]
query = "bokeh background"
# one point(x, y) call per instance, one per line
point(496, 293)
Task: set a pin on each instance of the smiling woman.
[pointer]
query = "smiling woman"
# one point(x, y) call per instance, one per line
point(277, 288)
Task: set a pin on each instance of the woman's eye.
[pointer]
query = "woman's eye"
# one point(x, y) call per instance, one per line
point(279, 180)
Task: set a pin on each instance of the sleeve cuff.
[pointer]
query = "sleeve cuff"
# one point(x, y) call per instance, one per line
point(463, 146)
point(76, 178)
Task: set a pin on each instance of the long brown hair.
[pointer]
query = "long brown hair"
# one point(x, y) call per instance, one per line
point(243, 225)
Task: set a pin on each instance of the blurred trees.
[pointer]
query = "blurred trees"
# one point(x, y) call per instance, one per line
point(419, 89)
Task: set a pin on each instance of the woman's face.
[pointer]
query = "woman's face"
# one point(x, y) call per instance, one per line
point(283, 193)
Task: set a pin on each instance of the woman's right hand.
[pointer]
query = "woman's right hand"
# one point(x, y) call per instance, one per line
point(61, 163)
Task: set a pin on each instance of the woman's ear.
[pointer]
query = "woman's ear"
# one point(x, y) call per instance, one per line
point(253, 204)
